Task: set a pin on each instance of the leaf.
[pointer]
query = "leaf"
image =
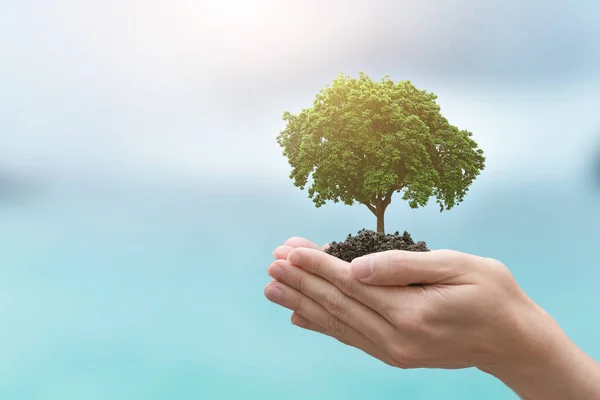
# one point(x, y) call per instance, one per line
point(363, 140)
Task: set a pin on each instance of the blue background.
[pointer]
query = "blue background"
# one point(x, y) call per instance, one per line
point(150, 292)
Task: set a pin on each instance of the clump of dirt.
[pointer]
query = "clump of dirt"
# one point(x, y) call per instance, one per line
point(368, 241)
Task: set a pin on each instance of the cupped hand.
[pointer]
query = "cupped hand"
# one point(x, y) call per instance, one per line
point(437, 309)
point(308, 313)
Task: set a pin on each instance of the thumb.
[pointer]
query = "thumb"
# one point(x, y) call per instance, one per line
point(403, 268)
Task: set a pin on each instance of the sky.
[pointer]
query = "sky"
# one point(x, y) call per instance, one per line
point(195, 91)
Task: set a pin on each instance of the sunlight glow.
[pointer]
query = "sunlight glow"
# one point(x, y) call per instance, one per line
point(199, 87)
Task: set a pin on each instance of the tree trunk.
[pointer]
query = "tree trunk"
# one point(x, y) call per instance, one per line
point(380, 224)
point(378, 210)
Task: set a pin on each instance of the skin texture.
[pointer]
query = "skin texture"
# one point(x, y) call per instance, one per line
point(438, 309)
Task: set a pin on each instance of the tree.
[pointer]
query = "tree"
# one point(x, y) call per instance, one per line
point(364, 140)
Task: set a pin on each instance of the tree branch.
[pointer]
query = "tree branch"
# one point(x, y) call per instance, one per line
point(370, 207)
point(388, 196)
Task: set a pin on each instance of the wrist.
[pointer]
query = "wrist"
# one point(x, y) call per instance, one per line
point(541, 362)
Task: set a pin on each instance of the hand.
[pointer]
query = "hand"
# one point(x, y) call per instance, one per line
point(441, 309)
point(465, 312)
point(309, 314)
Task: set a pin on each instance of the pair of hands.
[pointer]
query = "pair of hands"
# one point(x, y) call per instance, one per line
point(437, 309)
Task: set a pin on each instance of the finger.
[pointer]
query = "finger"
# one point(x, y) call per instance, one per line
point(338, 273)
point(330, 268)
point(292, 299)
point(306, 307)
point(403, 268)
point(301, 242)
point(282, 252)
point(357, 315)
point(304, 323)
point(310, 315)
point(368, 347)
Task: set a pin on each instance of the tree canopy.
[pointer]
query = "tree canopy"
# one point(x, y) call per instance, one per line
point(364, 140)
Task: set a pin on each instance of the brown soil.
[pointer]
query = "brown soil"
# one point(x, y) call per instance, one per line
point(367, 242)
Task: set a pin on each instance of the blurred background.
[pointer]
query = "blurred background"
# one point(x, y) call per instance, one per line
point(142, 190)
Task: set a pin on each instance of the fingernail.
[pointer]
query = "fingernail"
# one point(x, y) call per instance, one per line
point(362, 267)
point(273, 293)
point(281, 251)
point(276, 273)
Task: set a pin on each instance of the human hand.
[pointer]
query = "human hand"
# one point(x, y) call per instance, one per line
point(466, 310)
point(309, 314)
point(447, 310)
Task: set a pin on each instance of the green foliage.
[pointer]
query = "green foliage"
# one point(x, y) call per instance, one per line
point(364, 140)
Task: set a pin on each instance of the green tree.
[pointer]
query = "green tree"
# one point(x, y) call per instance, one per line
point(364, 140)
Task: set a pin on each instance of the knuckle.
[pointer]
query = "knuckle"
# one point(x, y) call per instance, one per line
point(455, 260)
point(501, 274)
point(398, 261)
point(404, 357)
point(417, 324)
point(387, 260)
point(347, 284)
point(451, 255)
point(388, 308)
point(334, 303)
point(319, 265)
point(498, 267)
point(388, 263)
point(337, 329)
point(413, 322)
point(299, 282)
point(393, 254)
point(298, 304)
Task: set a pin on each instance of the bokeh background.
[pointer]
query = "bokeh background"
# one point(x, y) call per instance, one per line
point(142, 190)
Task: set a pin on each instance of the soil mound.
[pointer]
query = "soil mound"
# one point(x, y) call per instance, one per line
point(368, 241)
